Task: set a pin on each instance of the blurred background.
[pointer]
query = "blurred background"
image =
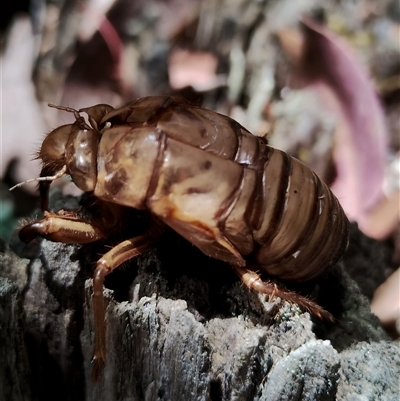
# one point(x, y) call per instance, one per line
point(320, 79)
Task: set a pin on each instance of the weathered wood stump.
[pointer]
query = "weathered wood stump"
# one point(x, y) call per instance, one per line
point(180, 326)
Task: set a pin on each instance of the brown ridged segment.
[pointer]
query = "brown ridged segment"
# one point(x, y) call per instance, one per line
point(275, 180)
point(237, 225)
point(248, 152)
point(296, 216)
point(320, 249)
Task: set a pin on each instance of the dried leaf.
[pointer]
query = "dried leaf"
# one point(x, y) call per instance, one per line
point(329, 65)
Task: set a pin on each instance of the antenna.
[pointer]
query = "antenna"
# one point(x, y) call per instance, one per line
point(68, 109)
point(48, 178)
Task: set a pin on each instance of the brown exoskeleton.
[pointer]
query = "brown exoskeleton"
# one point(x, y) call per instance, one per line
point(206, 177)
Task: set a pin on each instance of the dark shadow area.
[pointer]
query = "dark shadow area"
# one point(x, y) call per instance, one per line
point(46, 374)
point(347, 289)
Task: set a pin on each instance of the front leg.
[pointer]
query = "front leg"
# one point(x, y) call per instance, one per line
point(65, 227)
point(111, 260)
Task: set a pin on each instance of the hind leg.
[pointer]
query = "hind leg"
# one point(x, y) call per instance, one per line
point(254, 282)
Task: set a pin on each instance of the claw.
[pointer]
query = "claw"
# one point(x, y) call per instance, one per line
point(98, 366)
point(29, 232)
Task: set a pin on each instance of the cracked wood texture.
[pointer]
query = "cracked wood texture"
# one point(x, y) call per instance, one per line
point(180, 326)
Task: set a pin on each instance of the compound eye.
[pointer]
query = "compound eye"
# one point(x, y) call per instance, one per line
point(52, 151)
point(81, 155)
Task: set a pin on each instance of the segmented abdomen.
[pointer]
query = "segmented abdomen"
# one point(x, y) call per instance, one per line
point(297, 225)
point(300, 226)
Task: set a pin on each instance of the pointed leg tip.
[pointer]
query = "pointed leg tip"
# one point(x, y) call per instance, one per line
point(29, 232)
point(98, 367)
